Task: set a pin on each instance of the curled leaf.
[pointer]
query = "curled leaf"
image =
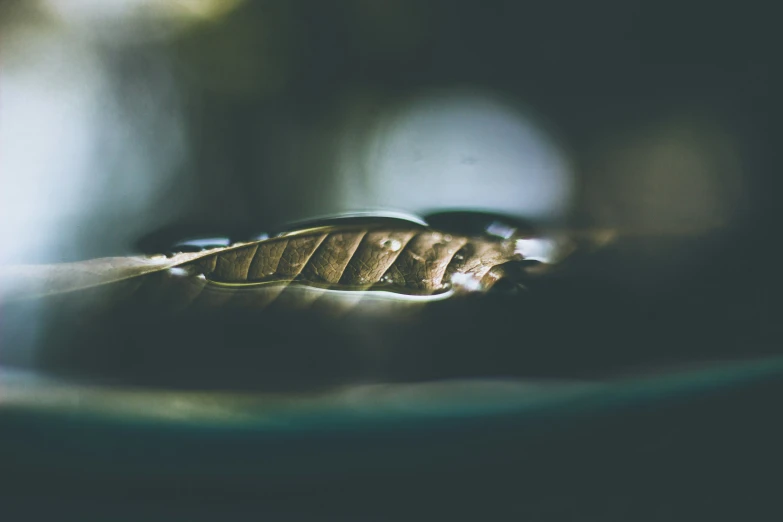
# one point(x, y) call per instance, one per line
point(351, 260)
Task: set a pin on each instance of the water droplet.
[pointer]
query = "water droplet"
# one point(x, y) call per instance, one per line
point(447, 238)
point(158, 257)
point(459, 257)
point(391, 244)
point(178, 271)
point(450, 251)
point(386, 278)
point(437, 236)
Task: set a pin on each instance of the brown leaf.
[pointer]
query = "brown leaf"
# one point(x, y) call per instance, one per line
point(410, 261)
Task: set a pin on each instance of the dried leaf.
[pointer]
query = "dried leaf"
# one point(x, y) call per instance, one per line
point(348, 260)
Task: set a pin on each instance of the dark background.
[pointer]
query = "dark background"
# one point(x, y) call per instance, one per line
point(258, 95)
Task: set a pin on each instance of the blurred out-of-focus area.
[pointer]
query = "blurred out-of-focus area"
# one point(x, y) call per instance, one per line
point(122, 119)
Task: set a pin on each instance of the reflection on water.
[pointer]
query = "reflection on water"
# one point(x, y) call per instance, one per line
point(369, 405)
point(363, 402)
